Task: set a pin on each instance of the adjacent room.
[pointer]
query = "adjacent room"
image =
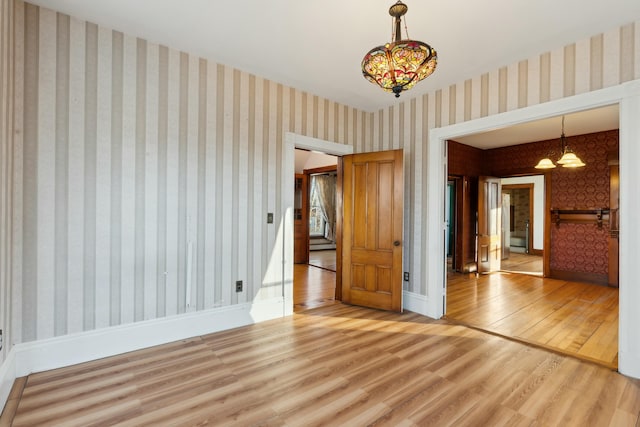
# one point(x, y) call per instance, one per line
point(558, 223)
point(315, 211)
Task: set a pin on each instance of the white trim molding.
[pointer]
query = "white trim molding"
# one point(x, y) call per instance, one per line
point(415, 302)
point(314, 144)
point(629, 291)
point(293, 141)
point(7, 377)
point(627, 96)
point(67, 350)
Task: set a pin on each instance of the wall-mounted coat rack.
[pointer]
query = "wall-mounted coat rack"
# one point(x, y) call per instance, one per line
point(598, 216)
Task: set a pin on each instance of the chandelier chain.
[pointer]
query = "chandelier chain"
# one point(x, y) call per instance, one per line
point(406, 30)
point(393, 29)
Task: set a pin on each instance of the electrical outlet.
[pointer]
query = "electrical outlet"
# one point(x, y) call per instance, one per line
point(238, 285)
point(0, 339)
point(406, 276)
point(269, 218)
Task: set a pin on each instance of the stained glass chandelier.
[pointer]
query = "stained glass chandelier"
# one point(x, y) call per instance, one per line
point(399, 65)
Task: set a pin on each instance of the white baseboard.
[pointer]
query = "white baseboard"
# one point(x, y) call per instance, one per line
point(58, 352)
point(629, 364)
point(7, 377)
point(82, 347)
point(415, 302)
point(26, 358)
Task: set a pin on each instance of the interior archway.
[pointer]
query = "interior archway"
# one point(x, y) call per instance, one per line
point(628, 97)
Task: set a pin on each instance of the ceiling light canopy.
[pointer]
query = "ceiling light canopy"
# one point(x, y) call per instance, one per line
point(399, 65)
point(569, 159)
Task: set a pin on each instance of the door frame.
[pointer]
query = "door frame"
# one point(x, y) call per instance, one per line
point(451, 216)
point(541, 226)
point(485, 238)
point(530, 187)
point(291, 142)
point(304, 208)
point(627, 96)
point(317, 171)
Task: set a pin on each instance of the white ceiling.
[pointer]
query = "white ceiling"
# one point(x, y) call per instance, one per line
point(310, 160)
point(589, 121)
point(317, 46)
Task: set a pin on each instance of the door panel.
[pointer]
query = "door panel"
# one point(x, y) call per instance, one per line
point(301, 220)
point(614, 205)
point(506, 225)
point(489, 224)
point(372, 185)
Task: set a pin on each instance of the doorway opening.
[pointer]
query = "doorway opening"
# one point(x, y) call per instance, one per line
point(322, 216)
point(450, 216)
point(315, 212)
point(372, 255)
point(523, 207)
point(515, 300)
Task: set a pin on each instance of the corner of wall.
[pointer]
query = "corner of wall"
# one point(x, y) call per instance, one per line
point(7, 377)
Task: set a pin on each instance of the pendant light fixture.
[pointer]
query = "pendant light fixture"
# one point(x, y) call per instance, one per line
point(568, 158)
point(399, 65)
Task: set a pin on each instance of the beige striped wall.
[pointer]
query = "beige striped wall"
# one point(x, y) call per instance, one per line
point(6, 170)
point(144, 174)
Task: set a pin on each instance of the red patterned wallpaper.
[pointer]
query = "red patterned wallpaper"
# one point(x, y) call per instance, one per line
point(586, 187)
point(582, 248)
point(464, 160)
point(574, 247)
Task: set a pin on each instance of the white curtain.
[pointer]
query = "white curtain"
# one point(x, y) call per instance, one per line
point(325, 187)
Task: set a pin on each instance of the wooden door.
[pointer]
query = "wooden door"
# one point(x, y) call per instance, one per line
point(373, 187)
point(614, 210)
point(301, 220)
point(489, 224)
point(505, 227)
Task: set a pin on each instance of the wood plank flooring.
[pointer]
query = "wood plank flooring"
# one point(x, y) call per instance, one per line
point(523, 263)
point(336, 365)
point(312, 287)
point(574, 318)
point(324, 259)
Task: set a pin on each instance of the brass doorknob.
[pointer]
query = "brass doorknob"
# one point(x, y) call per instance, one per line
point(396, 243)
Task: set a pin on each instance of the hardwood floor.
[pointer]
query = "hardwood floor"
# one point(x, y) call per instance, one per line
point(522, 263)
point(324, 259)
point(573, 318)
point(335, 365)
point(312, 287)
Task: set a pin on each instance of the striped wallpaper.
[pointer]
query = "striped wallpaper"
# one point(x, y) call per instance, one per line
point(6, 171)
point(144, 174)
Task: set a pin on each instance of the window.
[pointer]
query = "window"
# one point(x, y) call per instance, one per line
point(317, 223)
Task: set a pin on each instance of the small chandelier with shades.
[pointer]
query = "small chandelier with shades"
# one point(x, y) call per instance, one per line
point(568, 158)
point(399, 65)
